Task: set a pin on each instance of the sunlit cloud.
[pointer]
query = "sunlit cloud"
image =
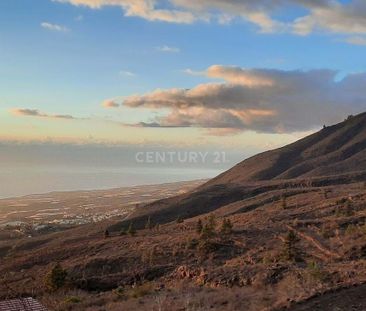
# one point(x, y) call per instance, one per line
point(142, 8)
point(261, 100)
point(110, 103)
point(317, 15)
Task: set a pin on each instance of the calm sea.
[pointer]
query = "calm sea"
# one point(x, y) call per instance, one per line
point(18, 181)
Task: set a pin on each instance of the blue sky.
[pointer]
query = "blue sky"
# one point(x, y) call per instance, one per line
point(88, 55)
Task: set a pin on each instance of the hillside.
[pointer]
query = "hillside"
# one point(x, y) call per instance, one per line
point(336, 149)
point(296, 240)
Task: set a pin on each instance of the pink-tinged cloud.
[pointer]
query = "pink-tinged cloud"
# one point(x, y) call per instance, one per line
point(109, 103)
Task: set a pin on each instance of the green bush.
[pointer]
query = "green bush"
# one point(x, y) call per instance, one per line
point(56, 278)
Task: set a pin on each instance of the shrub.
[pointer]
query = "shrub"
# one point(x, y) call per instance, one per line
point(207, 232)
point(212, 222)
point(227, 227)
point(56, 278)
point(349, 208)
point(346, 209)
point(119, 291)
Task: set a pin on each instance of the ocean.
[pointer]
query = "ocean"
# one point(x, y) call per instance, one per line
point(24, 180)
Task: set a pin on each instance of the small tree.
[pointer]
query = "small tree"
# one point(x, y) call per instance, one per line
point(226, 227)
point(56, 278)
point(148, 223)
point(348, 208)
point(131, 230)
point(199, 226)
point(207, 232)
point(106, 234)
point(212, 222)
point(290, 251)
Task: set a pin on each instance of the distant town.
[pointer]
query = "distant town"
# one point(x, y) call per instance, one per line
point(43, 213)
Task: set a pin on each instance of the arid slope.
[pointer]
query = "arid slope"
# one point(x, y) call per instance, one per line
point(336, 149)
point(297, 240)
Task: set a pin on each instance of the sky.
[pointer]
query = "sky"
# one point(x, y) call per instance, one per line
point(240, 75)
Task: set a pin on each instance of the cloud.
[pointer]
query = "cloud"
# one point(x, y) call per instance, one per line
point(357, 40)
point(191, 72)
point(239, 75)
point(262, 100)
point(324, 15)
point(127, 73)
point(110, 103)
point(333, 16)
point(54, 27)
point(37, 113)
point(142, 8)
point(168, 49)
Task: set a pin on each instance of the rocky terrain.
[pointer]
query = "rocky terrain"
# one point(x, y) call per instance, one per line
point(284, 230)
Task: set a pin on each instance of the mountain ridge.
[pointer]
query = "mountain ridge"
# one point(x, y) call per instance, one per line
point(307, 157)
